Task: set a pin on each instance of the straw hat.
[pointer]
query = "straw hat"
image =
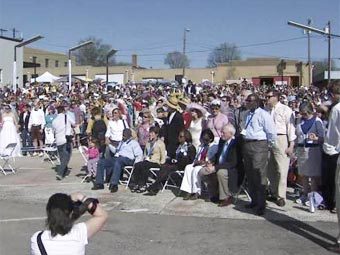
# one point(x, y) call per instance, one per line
point(173, 103)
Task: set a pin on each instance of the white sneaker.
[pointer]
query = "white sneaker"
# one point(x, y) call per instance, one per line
point(41, 154)
point(34, 154)
point(301, 200)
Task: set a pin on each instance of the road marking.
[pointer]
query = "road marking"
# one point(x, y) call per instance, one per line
point(40, 184)
point(134, 210)
point(31, 168)
point(22, 219)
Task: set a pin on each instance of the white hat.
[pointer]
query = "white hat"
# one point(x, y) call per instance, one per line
point(215, 102)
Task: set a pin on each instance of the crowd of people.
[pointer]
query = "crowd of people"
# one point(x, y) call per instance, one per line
point(221, 136)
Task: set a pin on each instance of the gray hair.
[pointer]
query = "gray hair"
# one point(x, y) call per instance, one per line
point(230, 128)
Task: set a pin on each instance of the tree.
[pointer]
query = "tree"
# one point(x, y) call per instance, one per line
point(176, 59)
point(223, 53)
point(94, 54)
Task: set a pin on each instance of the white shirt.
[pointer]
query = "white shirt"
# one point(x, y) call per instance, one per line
point(61, 130)
point(172, 115)
point(37, 117)
point(115, 129)
point(72, 243)
point(331, 144)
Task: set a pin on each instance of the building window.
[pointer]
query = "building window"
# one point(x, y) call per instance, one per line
point(46, 62)
point(56, 63)
point(65, 64)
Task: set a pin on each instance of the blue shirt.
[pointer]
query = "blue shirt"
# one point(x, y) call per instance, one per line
point(260, 126)
point(130, 149)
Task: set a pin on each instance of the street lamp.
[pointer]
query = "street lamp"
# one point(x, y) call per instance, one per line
point(31, 40)
point(69, 61)
point(184, 45)
point(108, 55)
point(35, 68)
point(212, 76)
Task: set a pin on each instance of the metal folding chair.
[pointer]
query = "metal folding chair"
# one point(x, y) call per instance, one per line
point(242, 189)
point(82, 150)
point(6, 156)
point(171, 182)
point(50, 151)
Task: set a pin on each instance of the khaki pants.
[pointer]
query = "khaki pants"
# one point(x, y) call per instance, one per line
point(278, 166)
point(337, 195)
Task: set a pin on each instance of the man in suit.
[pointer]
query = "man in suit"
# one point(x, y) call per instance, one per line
point(23, 123)
point(224, 165)
point(175, 124)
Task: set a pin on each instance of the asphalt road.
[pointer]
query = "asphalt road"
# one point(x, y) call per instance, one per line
point(163, 224)
point(141, 233)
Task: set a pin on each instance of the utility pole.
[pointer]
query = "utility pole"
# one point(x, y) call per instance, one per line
point(328, 29)
point(184, 46)
point(14, 32)
point(35, 69)
point(327, 32)
point(309, 61)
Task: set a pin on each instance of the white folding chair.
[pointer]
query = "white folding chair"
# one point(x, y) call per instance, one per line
point(82, 150)
point(127, 174)
point(171, 182)
point(6, 156)
point(51, 153)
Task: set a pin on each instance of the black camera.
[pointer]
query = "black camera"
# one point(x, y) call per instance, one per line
point(79, 208)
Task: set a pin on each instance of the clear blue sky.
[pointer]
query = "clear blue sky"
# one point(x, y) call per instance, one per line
point(151, 28)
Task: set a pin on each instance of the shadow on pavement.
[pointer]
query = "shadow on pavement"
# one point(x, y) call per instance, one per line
point(296, 226)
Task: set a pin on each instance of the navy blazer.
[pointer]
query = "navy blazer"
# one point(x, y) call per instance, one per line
point(229, 157)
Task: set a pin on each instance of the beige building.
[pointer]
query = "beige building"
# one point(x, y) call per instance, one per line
point(257, 70)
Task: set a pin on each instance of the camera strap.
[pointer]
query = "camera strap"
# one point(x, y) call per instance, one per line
point(41, 245)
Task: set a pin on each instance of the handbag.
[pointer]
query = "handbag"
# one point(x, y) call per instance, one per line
point(41, 245)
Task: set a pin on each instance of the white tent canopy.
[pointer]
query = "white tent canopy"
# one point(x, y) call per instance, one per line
point(46, 77)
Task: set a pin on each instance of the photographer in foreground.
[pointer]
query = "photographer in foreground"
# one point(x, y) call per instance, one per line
point(62, 235)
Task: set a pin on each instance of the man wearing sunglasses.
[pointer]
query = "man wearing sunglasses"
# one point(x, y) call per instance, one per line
point(258, 134)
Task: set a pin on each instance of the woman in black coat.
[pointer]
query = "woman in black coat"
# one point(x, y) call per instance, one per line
point(185, 154)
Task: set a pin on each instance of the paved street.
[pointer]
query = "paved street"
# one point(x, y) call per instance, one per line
point(158, 225)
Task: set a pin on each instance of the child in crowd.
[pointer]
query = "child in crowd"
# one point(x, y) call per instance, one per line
point(93, 156)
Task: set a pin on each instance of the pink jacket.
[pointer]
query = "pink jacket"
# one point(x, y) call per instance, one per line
point(92, 152)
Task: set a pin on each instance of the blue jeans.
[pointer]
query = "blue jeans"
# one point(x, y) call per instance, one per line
point(65, 156)
point(111, 166)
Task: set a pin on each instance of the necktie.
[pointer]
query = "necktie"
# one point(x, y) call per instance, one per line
point(220, 160)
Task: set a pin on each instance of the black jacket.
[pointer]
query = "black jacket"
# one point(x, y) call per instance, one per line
point(171, 134)
point(23, 123)
point(188, 158)
point(229, 157)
